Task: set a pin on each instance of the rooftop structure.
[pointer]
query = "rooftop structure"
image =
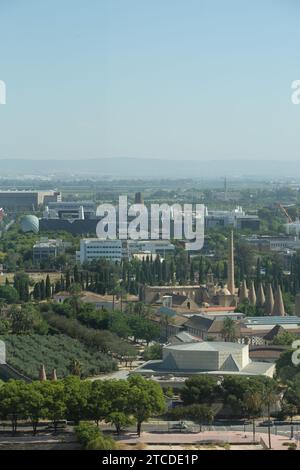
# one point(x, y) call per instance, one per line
point(70, 210)
point(30, 223)
point(271, 321)
point(183, 337)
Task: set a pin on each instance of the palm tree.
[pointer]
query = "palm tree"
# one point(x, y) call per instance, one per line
point(269, 396)
point(75, 291)
point(129, 308)
point(228, 330)
point(148, 312)
point(139, 308)
point(115, 292)
point(75, 368)
point(254, 402)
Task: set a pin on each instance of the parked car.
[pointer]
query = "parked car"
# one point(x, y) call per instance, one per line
point(179, 426)
point(267, 423)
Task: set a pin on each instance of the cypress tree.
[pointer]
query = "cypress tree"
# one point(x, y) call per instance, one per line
point(37, 291)
point(43, 289)
point(68, 280)
point(76, 274)
point(48, 287)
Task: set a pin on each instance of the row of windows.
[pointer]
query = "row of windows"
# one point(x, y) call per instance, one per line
point(99, 252)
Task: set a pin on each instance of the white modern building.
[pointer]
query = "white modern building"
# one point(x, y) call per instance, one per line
point(213, 358)
point(154, 247)
point(95, 248)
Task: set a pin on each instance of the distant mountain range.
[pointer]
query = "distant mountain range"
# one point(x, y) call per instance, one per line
point(150, 168)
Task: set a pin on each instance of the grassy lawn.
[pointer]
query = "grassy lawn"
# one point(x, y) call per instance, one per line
point(36, 277)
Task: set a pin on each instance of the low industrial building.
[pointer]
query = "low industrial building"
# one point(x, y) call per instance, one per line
point(27, 200)
point(262, 330)
point(273, 243)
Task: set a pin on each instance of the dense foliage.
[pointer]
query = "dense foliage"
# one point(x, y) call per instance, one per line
point(91, 438)
point(99, 340)
point(27, 352)
point(119, 402)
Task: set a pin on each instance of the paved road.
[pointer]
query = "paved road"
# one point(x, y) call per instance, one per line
point(156, 426)
point(160, 426)
point(283, 430)
point(278, 442)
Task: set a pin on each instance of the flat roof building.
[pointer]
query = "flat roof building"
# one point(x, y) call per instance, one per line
point(92, 249)
point(213, 358)
point(30, 200)
point(237, 218)
point(154, 247)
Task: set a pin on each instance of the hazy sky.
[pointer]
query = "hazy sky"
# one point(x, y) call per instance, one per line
point(193, 79)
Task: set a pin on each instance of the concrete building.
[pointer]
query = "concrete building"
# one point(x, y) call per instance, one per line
point(27, 200)
point(154, 247)
point(48, 248)
point(293, 228)
point(70, 210)
point(86, 227)
point(271, 243)
point(76, 217)
point(237, 218)
point(92, 249)
point(212, 358)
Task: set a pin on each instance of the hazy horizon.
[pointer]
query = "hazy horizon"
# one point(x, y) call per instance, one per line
point(146, 168)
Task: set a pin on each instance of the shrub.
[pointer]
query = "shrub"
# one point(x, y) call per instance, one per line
point(91, 438)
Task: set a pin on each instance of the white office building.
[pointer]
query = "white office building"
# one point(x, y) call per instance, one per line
point(94, 248)
point(152, 247)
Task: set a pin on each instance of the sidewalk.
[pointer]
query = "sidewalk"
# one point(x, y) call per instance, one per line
point(232, 437)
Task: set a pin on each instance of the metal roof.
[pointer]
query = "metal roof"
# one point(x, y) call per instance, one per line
point(272, 320)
